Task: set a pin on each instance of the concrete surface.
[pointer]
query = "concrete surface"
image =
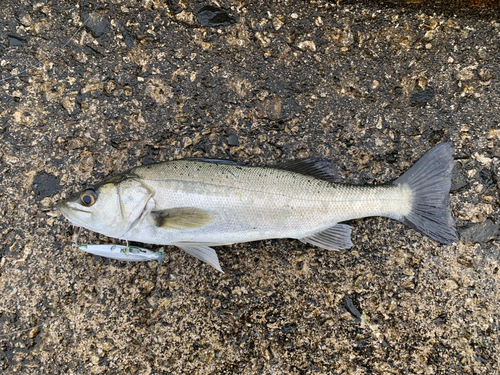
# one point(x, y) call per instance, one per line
point(369, 86)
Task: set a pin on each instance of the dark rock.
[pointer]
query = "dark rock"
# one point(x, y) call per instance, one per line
point(233, 140)
point(478, 233)
point(459, 178)
point(422, 97)
point(98, 23)
point(127, 38)
point(148, 160)
point(486, 177)
point(16, 40)
point(214, 17)
point(349, 305)
point(45, 184)
point(174, 6)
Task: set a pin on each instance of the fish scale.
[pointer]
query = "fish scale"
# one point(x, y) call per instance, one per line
point(282, 203)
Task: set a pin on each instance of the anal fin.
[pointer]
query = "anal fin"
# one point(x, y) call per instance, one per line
point(337, 237)
point(204, 253)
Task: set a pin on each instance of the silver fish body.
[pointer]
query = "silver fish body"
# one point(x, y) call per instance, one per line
point(194, 204)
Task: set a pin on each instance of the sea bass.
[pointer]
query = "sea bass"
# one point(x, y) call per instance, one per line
point(197, 203)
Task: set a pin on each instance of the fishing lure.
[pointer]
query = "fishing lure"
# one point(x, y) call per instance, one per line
point(124, 253)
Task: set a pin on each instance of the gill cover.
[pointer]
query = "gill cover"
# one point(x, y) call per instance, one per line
point(133, 199)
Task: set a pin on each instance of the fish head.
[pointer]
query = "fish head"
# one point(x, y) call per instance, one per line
point(112, 207)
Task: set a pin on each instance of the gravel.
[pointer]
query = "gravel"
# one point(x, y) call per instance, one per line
point(368, 85)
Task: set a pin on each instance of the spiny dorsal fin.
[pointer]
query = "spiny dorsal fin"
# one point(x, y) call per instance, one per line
point(219, 161)
point(182, 218)
point(315, 167)
point(337, 237)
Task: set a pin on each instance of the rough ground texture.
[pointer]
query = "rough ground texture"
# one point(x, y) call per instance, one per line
point(369, 86)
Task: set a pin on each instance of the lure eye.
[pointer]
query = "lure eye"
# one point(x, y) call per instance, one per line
point(88, 197)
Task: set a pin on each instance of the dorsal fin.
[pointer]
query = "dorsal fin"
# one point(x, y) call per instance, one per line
point(315, 167)
point(218, 161)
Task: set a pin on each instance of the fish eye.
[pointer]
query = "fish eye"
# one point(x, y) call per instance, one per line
point(88, 197)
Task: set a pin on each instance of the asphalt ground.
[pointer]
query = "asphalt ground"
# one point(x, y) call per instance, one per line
point(370, 86)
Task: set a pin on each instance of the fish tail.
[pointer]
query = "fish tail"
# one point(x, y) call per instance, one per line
point(429, 180)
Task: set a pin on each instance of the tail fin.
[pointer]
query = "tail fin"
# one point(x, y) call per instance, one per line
point(429, 180)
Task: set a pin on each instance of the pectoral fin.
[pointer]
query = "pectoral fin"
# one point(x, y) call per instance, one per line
point(182, 218)
point(205, 254)
point(335, 238)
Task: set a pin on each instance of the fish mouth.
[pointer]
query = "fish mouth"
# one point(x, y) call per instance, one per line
point(71, 213)
point(61, 207)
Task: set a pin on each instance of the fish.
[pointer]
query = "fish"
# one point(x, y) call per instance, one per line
point(196, 204)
